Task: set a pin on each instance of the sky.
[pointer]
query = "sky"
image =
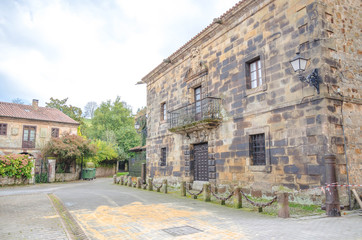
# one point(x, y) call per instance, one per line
point(91, 50)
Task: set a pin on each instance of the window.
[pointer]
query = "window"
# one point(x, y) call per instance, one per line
point(197, 98)
point(257, 149)
point(55, 132)
point(3, 128)
point(29, 137)
point(163, 157)
point(163, 111)
point(254, 75)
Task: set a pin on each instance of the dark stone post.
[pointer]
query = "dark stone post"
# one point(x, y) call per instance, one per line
point(164, 185)
point(122, 180)
point(183, 188)
point(143, 173)
point(283, 205)
point(130, 181)
point(237, 198)
point(207, 192)
point(139, 182)
point(149, 184)
point(332, 198)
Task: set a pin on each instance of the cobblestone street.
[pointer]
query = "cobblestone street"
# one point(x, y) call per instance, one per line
point(108, 211)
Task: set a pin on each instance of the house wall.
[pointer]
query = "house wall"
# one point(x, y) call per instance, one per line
point(300, 125)
point(12, 142)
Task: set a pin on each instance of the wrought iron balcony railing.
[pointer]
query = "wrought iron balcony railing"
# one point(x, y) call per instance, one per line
point(205, 109)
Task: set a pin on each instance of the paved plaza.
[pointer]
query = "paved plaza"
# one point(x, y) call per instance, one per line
point(107, 211)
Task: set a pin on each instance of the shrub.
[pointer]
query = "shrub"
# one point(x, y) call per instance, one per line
point(16, 165)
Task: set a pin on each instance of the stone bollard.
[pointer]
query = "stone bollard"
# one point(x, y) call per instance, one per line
point(114, 178)
point(129, 181)
point(283, 205)
point(121, 180)
point(149, 186)
point(164, 185)
point(139, 182)
point(207, 192)
point(183, 188)
point(237, 198)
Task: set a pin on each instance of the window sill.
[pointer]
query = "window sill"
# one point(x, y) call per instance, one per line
point(261, 88)
point(260, 168)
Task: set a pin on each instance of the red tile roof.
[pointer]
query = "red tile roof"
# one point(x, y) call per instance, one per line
point(14, 110)
point(224, 16)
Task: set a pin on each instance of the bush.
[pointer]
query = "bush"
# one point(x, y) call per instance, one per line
point(41, 178)
point(16, 165)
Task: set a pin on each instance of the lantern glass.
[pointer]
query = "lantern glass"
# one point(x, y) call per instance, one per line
point(299, 63)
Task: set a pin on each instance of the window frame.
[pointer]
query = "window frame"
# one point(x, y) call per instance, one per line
point(257, 150)
point(163, 158)
point(246, 72)
point(163, 111)
point(55, 135)
point(3, 129)
point(254, 131)
point(258, 70)
point(26, 144)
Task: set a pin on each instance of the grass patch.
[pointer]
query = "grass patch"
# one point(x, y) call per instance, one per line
point(122, 173)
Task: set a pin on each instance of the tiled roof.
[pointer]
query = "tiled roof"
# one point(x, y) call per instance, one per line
point(224, 16)
point(138, 149)
point(14, 110)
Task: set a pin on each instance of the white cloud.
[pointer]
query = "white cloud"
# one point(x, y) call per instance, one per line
point(90, 52)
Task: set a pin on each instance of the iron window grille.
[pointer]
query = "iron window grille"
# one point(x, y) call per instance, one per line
point(3, 128)
point(55, 132)
point(163, 157)
point(257, 149)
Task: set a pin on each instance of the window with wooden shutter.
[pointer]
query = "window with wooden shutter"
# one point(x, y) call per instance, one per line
point(29, 135)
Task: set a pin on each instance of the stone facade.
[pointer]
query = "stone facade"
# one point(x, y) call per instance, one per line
point(299, 125)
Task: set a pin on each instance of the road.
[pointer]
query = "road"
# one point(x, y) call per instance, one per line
point(104, 210)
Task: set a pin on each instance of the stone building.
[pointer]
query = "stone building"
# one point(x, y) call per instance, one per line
point(26, 128)
point(228, 108)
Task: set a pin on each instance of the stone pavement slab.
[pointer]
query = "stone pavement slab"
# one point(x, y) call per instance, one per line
point(30, 216)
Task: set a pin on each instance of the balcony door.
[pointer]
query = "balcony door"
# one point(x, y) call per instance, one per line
point(29, 137)
point(198, 110)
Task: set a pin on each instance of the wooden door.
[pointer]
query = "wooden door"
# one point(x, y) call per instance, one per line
point(201, 162)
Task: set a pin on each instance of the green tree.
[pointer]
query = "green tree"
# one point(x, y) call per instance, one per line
point(72, 111)
point(105, 152)
point(114, 122)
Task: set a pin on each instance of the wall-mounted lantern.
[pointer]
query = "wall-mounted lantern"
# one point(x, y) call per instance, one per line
point(299, 64)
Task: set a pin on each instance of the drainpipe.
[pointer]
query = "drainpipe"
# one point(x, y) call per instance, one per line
point(332, 198)
point(345, 156)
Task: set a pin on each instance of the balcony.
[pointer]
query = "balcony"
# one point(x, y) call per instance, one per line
point(203, 114)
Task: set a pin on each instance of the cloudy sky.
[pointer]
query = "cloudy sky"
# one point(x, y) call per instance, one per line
point(91, 50)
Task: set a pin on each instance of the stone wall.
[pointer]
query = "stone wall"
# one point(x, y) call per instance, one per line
point(300, 125)
point(106, 171)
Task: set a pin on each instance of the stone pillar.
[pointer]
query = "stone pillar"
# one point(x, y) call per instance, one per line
point(121, 181)
point(149, 184)
point(32, 179)
point(332, 198)
point(207, 192)
point(143, 173)
point(237, 198)
point(183, 188)
point(164, 185)
point(51, 170)
point(114, 178)
point(129, 181)
point(283, 205)
point(139, 182)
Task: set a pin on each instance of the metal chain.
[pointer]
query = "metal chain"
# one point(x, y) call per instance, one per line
point(194, 194)
point(258, 204)
point(158, 188)
point(222, 198)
